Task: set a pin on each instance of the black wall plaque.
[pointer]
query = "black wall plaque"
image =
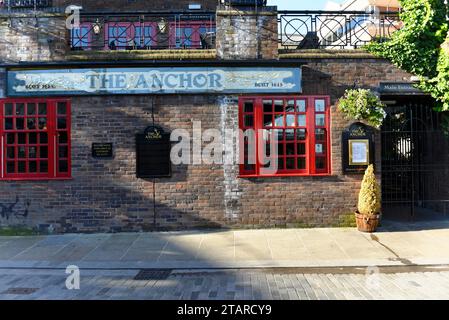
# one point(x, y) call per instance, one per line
point(357, 148)
point(102, 150)
point(153, 153)
point(403, 88)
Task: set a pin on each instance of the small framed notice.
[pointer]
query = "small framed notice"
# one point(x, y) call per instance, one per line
point(359, 152)
point(102, 150)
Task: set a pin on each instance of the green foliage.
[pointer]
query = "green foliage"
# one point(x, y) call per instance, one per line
point(17, 231)
point(369, 196)
point(416, 48)
point(362, 104)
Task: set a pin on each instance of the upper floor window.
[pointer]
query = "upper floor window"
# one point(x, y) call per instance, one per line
point(298, 127)
point(35, 139)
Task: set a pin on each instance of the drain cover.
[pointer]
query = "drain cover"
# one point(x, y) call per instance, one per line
point(23, 291)
point(153, 274)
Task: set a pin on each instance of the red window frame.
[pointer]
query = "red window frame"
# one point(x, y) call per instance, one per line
point(35, 139)
point(305, 158)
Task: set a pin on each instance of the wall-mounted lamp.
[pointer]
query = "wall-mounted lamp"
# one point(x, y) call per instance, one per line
point(96, 27)
point(162, 25)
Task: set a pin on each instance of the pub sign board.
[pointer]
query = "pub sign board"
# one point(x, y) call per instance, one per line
point(153, 149)
point(357, 148)
point(163, 80)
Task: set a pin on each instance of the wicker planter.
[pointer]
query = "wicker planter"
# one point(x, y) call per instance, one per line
point(367, 224)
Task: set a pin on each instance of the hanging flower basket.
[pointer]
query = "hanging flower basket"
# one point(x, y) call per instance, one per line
point(362, 105)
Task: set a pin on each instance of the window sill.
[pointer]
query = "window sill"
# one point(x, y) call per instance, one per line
point(35, 179)
point(250, 176)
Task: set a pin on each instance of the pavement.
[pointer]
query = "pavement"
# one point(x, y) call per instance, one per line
point(409, 283)
point(396, 244)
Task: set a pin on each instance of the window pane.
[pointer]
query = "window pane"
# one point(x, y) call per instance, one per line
point(63, 166)
point(32, 152)
point(248, 107)
point(301, 163)
point(22, 138)
point(9, 109)
point(249, 121)
point(43, 152)
point(33, 166)
point(320, 163)
point(279, 120)
point(291, 106)
point(290, 149)
point(10, 153)
point(9, 124)
point(21, 153)
point(301, 134)
point(278, 105)
point(290, 134)
point(22, 166)
point(320, 120)
point(10, 138)
point(62, 107)
point(32, 138)
point(20, 109)
point(62, 123)
point(319, 148)
point(62, 137)
point(281, 149)
point(42, 108)
point(20, 123)
point(290, 163)
point(301, 106)
point(320, 134)
point(320, 105)
point(43, 167)
point(63, 152)
point(31, 109)
point(302, 120)
point(290, 120)
point(43, 137)
point(281, 163)
point(42, 123)
point(301, 148)
point(31, 123)
point(267, 106)
point(268, 120)
point(10, 167)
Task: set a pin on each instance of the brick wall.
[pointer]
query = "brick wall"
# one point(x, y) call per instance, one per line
point(32, 38)
point(247, 35)
point(105, 195)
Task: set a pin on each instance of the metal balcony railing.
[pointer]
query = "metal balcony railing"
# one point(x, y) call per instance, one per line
point(149, 31)
point(334, 29)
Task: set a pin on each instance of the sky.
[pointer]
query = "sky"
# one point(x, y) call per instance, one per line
point(300, 4)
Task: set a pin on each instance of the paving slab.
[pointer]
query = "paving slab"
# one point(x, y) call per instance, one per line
point(232, 249)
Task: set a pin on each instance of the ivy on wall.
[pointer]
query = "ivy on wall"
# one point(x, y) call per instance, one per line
point(421, 47)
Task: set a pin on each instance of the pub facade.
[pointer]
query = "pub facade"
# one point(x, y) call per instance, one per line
point(95, 97)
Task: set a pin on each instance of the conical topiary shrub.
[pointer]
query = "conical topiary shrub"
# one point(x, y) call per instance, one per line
point(369, 202)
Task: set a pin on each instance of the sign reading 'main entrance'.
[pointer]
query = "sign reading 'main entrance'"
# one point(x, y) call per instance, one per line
point(153, 81)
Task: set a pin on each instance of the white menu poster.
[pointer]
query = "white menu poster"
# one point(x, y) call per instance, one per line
point(359, 152)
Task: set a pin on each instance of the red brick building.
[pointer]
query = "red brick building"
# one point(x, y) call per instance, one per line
point(72, 101)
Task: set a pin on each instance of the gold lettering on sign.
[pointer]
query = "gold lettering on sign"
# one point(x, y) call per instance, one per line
point(358, 132)
point(155, 135)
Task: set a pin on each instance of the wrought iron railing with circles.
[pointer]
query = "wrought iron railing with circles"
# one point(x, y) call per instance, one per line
point(334, 29)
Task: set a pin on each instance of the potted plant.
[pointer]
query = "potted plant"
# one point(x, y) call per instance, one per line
point(368, 213)
point(362, 104)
